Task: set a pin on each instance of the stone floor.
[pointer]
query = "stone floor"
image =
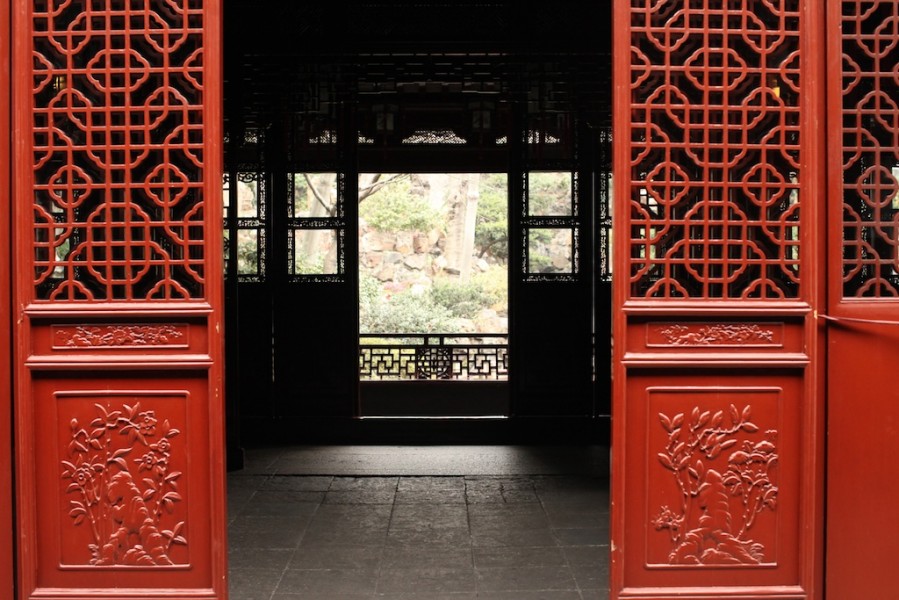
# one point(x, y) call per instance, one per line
point(423, 523)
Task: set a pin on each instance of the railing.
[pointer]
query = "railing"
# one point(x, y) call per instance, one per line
point(458, 356)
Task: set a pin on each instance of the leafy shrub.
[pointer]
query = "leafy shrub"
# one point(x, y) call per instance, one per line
point(399, 206)
point(403, 312)
point(462, 299)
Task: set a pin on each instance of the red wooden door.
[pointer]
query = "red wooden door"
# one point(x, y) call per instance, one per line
point(717, 410)
point(6, 497)
point(116, 203)
point(863, 299)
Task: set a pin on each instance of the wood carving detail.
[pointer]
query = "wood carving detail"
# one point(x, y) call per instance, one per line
point(706, 529)
point(717, 334)
point(119, 336)
point(118, 469)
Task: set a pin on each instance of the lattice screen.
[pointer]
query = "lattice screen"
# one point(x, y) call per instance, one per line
point(118, 150)
point(714, 149)
point(870, 117)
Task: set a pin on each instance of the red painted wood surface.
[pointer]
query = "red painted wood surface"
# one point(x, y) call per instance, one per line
point(863, 337)
point(717, 485)
point(118, 357)
point(6, 447)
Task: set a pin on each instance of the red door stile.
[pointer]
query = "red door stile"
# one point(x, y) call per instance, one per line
point(118, 300)
point(6, 496)
point(863, 299)
point(717, 474)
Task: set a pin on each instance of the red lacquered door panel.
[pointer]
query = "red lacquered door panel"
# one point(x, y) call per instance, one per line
point(116, 203)
point(6, 321)
point(717, 416)
point(863, 300)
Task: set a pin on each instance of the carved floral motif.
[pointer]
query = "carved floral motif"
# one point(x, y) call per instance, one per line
point(706, 529)
point(119, 473)
point(717, 334)
point(83, 336)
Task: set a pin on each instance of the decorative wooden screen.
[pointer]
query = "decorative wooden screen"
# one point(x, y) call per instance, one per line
point(863, 295)
point(117, 205)
point(714, 354)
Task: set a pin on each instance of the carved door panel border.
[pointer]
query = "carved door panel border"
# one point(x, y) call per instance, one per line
point(118, 295)
point(717, 475)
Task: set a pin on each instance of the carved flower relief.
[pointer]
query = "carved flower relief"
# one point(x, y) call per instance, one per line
point(718, 504)
point(716, 334)
point(131, 514)
point(87, 336)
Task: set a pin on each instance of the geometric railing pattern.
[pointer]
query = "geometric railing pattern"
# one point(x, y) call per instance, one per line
point(714, 149)
point(462, 357)
point(870, 148)
point(118, 157)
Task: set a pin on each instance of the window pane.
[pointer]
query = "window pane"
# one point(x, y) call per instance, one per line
point(248, 252)
point(314, 194)
point(314, 252)
point(248, 196)
point(549, 194)
point(550, 250)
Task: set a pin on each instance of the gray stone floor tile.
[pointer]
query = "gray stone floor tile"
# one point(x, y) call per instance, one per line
point(429, 596)
point(337, 582)
point(272, 559)
point(511, 537)
point(424, 536)
point(407, 516)
point(431, 496)
point(297, 484)
point(587, 555)
point(418, 484)
point(531, 595)
point(252, 584)
point(368, 484)
point(528, 556)
point(424, 580)
point(337, 557)
point(591, 577)
point(585, 536)
point(266, 532)
point(360, 497)
point(420, 523)
point(594, 594)
point(525, 579)
point(427, 557)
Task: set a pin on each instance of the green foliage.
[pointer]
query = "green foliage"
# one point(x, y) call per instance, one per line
point(549, 193)
point(403, 312)
point(491, 234)
point(399, 206)
point(462, 299)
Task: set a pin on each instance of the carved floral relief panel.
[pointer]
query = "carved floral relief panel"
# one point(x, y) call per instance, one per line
point(714, 460)
point(122, 460)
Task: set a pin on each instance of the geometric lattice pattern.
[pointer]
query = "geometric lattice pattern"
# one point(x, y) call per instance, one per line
point(118, 138)
point(870, 118)
point(445, 357)
point(714, 149)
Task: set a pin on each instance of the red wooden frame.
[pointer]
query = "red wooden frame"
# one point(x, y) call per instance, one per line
point(862, 310)
point(118, 382)
point(6, 445)
point(680, 361)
